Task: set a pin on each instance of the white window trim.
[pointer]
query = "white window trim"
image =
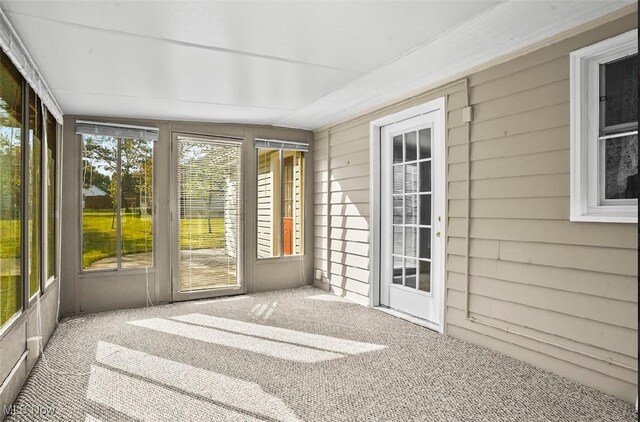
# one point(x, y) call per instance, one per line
point(585, 116)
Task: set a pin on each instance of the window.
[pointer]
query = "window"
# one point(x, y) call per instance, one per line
point(604, 130)
point(280, 198)
point(51, 154)
point(117, 197)
point(35, 193)
point(27, 193)
point(11, 201)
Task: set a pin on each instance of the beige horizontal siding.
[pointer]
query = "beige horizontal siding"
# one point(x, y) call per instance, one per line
point(572, 285)
point(566, 292)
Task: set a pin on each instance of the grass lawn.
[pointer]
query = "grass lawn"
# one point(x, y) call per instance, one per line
point(10, 298)
point(99, 241)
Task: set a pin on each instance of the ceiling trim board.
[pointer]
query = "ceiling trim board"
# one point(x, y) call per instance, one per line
point(177, 100)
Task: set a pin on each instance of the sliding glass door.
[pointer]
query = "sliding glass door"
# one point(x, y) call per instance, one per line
point(206, 217)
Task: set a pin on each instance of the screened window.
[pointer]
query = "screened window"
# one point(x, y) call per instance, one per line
point(51, 154)
point(280, 177)
point(117, 202)
point(604, 130)
point(35, 192)
point(11, 203)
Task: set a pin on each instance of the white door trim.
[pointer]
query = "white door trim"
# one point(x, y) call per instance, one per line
point(375, 128)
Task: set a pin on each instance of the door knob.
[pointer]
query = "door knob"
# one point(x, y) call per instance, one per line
point(437, 234)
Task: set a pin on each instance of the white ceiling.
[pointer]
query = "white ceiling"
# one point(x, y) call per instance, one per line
point(301, 64)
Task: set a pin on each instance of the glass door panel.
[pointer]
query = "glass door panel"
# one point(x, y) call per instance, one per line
point(412, 210)
point(208, 195)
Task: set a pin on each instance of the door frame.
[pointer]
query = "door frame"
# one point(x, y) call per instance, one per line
point(375, 130)
point(174, 219)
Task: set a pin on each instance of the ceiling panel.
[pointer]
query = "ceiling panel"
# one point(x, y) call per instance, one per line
point(507, 28)
point(301, 64)
point(77, 59)
point(355, 35)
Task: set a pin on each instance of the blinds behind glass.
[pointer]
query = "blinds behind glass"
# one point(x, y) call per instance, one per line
point(209, 195)
point(117, 131)
point(286, 145)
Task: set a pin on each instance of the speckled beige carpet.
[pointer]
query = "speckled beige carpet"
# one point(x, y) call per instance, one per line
point(295, 355)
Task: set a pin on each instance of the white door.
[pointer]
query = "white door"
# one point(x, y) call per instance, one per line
point(412, 217)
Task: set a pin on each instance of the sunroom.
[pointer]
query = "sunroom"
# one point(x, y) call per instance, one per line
point(318, 210)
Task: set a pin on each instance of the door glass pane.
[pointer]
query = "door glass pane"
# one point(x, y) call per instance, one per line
point(621, 91)
point(397, 270)
point(397, 240)
point(425, 176)
point(397, 149)
point(10, 189)
point(411, 177)
point(35, 191)
point(398, 179)
point(425, 243)
point(410, 269)
point(621, 167)
point(411, 146)
point(136, 207)
point(424, 281)
point(411, 209)
point(425, 209)
point(99, 202)
point(209, 206)
point(397, 209)
point(425, 143)
point(410, 241)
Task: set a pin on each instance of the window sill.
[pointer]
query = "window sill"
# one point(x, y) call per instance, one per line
point(280, 259)
point(115, 272)
point(626, 215)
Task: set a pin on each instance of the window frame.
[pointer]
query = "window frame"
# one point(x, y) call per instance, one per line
point(44, 284)
point(47, 281)
point(281, 151)
point(586, 172)
point(118, 269)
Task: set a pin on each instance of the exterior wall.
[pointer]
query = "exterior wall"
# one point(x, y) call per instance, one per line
point(557, 294)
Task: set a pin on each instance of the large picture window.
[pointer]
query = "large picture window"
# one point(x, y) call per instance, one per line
point(280, 177)
point(604, 130)
point(117, 202)
point(11, 215)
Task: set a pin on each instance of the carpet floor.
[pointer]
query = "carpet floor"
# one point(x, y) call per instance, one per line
point(294, 355)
